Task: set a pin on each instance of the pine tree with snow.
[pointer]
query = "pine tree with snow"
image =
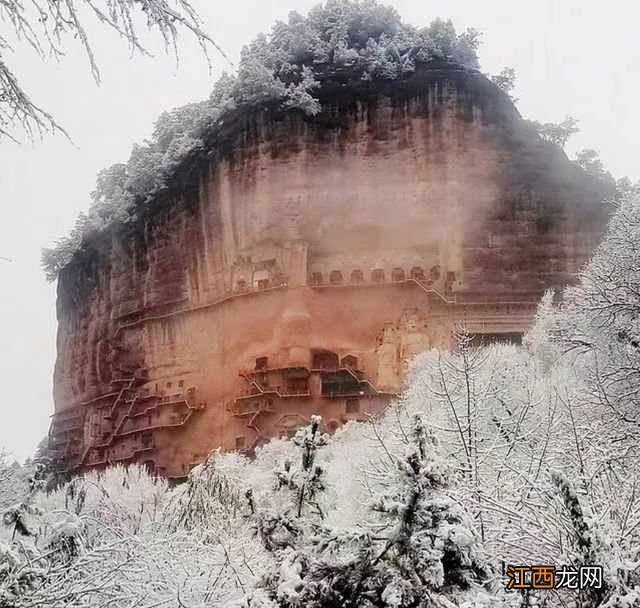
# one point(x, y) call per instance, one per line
point(428, 540)
point(285, 533)
point(590, 545)
point(417, 550)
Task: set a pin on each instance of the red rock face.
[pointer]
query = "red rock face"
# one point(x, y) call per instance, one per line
point(297, 269)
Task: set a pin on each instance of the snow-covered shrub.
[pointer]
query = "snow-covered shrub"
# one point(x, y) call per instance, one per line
point(115, 538)
point(12, 488)
point(20, 574)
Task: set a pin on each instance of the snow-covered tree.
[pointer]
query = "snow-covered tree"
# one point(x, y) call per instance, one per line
point(590, 161)
point(178, 122)
point(625, 188)
point(45, 25)
point(19, 516)
point(447, 44)
point(417, 547)
point(557, 133)
point(506, 81)
point(284, 526)
point(597, 321)
point(537, 341)
point(300, 95)
point(212, 496)
point(425, 547)
point(12, 489)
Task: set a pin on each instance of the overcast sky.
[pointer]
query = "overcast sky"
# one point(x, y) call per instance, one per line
point(580, 58)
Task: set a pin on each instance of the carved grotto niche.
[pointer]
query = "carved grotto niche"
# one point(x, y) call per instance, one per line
point(387, 357)
point(413, 340)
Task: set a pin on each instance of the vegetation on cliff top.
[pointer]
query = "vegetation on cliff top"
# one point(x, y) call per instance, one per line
point(363, 38)
point(286, 66)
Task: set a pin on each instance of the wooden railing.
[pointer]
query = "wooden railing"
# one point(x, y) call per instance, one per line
point(459, 299)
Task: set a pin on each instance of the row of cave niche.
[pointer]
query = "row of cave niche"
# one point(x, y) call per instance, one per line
point(378, 275)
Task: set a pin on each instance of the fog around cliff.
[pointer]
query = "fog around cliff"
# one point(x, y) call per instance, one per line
point(494, 454)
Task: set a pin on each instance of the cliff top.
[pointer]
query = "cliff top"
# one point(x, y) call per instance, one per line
point(287, 71)
point(342, 51)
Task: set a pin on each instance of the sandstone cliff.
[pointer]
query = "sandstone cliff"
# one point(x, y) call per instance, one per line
point(294, 265)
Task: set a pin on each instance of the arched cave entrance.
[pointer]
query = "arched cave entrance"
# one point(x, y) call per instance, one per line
point(377, 275)
point(335, 278)
point(324, 359)
point(417, 273)
point(357, 278)
point(397, 275)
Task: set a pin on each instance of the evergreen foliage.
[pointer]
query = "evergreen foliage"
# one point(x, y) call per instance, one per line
point(506, 81)
point(557, 133)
